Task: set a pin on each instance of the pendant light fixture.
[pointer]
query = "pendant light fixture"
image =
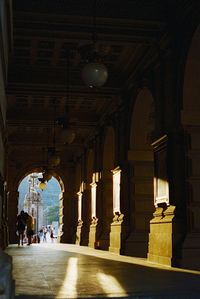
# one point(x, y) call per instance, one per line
point(42, 184)
point(94, 73)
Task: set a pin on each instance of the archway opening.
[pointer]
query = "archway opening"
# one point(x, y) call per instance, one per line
point(43, 204)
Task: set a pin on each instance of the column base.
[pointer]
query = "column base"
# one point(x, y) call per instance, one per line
point(117, 235)
point(93, 242)
point(78, 232)
point(162, 237)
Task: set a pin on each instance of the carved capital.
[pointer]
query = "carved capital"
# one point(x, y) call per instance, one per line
point(118, 217)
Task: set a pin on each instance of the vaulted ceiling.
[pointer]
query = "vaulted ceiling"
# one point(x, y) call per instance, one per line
point(45, 63)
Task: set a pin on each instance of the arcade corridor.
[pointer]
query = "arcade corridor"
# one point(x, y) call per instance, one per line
point(104, 96)
point(46, 271)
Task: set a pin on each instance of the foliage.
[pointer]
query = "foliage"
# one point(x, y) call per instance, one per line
point(51, 214)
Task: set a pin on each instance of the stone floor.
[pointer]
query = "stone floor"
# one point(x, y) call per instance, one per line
point(54, 271)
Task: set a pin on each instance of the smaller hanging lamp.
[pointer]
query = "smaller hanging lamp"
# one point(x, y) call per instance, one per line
point(42, 184)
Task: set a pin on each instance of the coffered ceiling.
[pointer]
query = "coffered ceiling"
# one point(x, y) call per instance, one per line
point(41, 70)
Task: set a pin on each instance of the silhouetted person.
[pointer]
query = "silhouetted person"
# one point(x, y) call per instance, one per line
point(21, 226)
point(29, 227)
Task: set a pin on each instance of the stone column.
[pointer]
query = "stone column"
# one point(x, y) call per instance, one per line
point(166, 227)
point(67, 217)
point(93, 242)
point(116, 234)
point(12, 215)
point(79, 212)
point(61, 220)
point(78, 232)
point(95, 211)
point(104, 208)
point(94, 220)
point(141, 201)
point(119, 227)
point(86, 212)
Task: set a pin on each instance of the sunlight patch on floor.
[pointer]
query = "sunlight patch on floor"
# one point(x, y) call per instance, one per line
point(69, 284)
point(110, 285)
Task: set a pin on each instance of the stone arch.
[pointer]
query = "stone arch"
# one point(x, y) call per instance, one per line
point(13, 195)
point(140, 157)
point(190, 118)
point(34, 201)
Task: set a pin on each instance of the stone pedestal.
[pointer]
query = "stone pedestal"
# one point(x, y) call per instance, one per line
point(163, 237)
point(78, 232)
point(7, 285)
point(93, 242)
point(117, 234)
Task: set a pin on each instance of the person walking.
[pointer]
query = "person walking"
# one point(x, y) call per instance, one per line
point(51, 234)
point(45, 234)
point(29, 227)
point(21, 226)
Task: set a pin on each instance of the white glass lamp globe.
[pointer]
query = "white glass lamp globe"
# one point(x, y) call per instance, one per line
point(94, 74)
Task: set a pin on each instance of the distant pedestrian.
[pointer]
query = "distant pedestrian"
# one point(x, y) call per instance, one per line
point(45, 234)
point(52, 235)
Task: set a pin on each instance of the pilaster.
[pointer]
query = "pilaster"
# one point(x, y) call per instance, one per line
point(117, 234)
point(167, 227)
point(105, 187)
point(141, 201)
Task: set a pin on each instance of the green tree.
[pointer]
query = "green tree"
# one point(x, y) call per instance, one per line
point(52, 214)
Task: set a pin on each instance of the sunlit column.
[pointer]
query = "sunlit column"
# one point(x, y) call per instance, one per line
point(116, 189)
point(80, 195)
point(93, 199)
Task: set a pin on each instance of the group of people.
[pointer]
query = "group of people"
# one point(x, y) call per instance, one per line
point(25, 230)
point(25, 225)
point(46, 230)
